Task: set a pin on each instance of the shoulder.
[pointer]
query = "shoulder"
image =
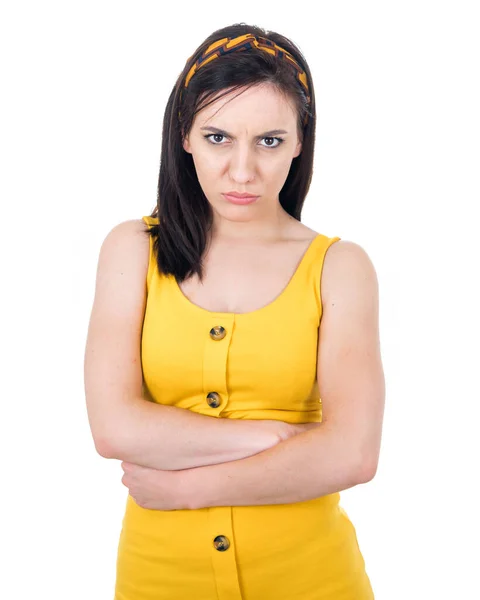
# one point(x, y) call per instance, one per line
point(133, 229)
point(130, 226)
point(126, 242)
point(348, 271)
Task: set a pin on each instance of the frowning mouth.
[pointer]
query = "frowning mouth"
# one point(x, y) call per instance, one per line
point(240, 200)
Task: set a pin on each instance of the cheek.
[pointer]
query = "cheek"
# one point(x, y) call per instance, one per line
point(208, 162)
point(208, 174)
point(203, 167)
point(276, 170)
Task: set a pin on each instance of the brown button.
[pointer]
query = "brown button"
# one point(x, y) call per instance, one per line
point(221, 543)
point(218, 332)
point(213, 399)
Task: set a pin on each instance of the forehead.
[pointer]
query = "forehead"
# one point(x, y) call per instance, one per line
point(261, 104)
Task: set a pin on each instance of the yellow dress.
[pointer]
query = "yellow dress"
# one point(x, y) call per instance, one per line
point(264, 368)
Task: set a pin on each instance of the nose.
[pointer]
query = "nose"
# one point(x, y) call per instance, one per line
point(242, 163)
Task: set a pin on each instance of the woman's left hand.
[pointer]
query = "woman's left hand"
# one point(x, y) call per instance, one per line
point(156, 489)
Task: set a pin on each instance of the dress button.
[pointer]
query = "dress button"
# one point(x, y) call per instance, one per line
point(221, 543)
point(218, 332)
point(213, 399)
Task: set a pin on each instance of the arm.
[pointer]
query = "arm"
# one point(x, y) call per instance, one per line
point(124, 425)
point(283, 474)
point(344, 450)
point(172, 438)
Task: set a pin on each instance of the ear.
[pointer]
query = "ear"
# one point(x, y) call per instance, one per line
point(298, 150)
point(186, 144)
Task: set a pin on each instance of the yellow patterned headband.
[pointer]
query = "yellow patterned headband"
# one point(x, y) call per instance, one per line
point(243, 42)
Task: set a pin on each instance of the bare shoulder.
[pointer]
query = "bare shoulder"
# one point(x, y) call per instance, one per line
point(131, 234)
point(131, 227)
point(125, 253)
point(348, 272)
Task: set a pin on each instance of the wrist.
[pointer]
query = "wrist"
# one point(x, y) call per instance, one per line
point(191, 488)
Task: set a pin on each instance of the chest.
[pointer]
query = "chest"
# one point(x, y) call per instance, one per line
point(247, 278)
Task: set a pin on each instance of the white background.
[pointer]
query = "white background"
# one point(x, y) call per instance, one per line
point(397, 161)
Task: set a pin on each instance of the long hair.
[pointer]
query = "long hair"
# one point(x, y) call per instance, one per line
point(183, 211)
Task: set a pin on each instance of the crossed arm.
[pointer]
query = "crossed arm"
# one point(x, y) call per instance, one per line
point(343, 451)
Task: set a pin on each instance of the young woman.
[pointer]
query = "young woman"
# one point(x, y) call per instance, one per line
point(233, 360)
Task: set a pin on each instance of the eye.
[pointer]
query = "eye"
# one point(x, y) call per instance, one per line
point(279, 140)
point(218, 135)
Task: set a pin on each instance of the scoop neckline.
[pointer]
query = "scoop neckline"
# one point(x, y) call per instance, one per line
point(275, 301)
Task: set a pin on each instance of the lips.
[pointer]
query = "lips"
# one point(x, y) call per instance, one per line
point(242, 195)
point(248, 199)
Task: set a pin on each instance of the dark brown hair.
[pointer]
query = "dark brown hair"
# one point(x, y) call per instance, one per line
point(184, 213)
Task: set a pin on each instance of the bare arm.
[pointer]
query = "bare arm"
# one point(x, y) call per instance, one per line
point(171, 438)
point(124, 425)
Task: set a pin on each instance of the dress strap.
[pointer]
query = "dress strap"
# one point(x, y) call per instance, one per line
point(317, 268)
point(152, 261)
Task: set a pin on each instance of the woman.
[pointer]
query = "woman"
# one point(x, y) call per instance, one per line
point(232, 364)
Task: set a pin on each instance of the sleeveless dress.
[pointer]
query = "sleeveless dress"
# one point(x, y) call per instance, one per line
point(263, 368)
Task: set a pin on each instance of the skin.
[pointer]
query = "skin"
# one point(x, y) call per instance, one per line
point(244, 163)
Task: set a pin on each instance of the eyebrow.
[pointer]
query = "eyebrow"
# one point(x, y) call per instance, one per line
point(218, 131)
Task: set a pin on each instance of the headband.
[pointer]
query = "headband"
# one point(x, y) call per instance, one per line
point(244, 42)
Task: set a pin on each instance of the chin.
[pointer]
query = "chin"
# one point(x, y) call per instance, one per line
point(238, 214)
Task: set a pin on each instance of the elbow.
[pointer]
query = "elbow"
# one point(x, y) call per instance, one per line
point(367, 470)
point(105, 448)
point(367, 456)
point(107, 438)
